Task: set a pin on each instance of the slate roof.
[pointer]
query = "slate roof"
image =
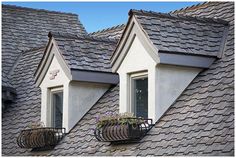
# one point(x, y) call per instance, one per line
point(27, 105)
point(5, 81)
point(113, 32)
point(183, 34)
point(26, 28)
point(200, 122)
point(85, 52)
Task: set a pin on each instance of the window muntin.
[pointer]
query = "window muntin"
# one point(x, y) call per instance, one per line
point(57, 108)
point(139, 95)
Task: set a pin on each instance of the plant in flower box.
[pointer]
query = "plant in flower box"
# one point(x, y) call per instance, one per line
point(120, 127)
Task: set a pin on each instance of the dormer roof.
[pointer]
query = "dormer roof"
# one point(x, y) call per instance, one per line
point(183, 34)
point(85, 52)
point(174, 39)
point(85, 58)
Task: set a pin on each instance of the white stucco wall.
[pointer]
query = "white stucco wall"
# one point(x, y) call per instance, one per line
point(78, 97)
point(82, 96)
point(171, 81)
point(165, 82)
point(60, 80)
point(137, 59)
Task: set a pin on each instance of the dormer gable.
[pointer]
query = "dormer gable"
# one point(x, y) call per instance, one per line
point(72, 77)
point(159, 55)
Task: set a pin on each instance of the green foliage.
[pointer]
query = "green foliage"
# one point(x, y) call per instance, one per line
point(34, 125)
point(118, 119)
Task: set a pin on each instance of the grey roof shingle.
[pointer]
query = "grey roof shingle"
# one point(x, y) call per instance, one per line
point(113, 32)
point(200, 122)
point(85, 52)
point(5, 81)
point(26, 28)
point(26, 107)
point(183, 34)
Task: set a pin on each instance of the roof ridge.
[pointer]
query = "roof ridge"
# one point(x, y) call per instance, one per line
point(189, 7)
point(177, 16)
point(75, 36)
point(107, 29)
point(35, 9)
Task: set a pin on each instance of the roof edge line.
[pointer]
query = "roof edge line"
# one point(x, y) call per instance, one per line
point(95, 71)
point(73, 36)
point(37, 9)
point(95, 77)
point(177, 16)
point(107, 29)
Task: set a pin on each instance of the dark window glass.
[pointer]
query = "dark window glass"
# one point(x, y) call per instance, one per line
point(141, 97)
point(57, 109)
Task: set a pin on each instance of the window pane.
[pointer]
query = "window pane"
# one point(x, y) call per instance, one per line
point(141, 97)
point(57, 109)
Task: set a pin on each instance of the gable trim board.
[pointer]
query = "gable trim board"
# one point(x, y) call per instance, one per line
point(54, 71)
point(72, 74)
point(18, 37)
point(46, 62)
point(161, 64)
point(165, 82)
point(133, 30)
point(223, 42)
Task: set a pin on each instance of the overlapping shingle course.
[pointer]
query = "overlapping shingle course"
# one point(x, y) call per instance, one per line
point(114, 32)
point(183, 34)
point(26, 28)
point(200, 122)
point(86, 52)
point(26, 108)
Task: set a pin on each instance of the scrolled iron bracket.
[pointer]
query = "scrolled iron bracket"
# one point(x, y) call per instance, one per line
point(127, 132)
point(40, 137)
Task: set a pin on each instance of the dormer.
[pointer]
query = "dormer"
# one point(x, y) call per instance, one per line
point(73, 74)
point(159, 55)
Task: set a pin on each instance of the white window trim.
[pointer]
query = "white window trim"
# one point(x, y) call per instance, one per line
point(50, 101)
point(132, 77)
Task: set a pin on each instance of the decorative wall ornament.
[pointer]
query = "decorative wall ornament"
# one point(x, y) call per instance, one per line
point(53, 74)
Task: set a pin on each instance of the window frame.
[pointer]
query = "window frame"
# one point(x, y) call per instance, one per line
point(51, 106)
point(132, 77)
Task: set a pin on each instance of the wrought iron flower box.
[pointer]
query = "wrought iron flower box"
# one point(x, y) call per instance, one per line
point(128, 130)
point(37, 138)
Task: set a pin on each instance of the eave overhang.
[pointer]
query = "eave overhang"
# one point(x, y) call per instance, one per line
point(134, 28)
point(94, 76)
point(188, 60)
point(72, 74)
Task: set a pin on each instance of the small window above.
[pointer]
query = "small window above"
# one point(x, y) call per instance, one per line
point(139, 94)
point(56, 107)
